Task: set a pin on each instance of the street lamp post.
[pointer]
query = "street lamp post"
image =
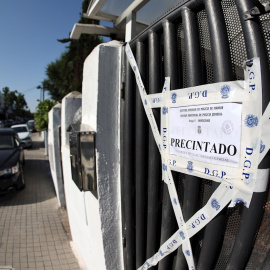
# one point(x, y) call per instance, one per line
point(41, 91)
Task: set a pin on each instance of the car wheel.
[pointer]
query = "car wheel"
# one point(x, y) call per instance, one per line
point(21, 184)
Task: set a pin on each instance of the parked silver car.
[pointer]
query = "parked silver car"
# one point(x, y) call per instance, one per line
point(24, 134)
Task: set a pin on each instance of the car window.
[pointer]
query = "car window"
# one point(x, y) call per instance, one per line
point(6, 141)
point(20, 129)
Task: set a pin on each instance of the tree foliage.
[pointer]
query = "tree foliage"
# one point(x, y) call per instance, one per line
point(14, 102)
point(64, 75)
point(41, 116)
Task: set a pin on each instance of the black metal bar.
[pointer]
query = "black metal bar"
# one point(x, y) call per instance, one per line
point(194, 77)
point(128, 163)
point(245, 238)
point(170, 53)
point(154, 164)
point(140, 164)
point(252, 216)
point(171, 16)
point(219, 41)
point(192, 48)
point(170, 68)
point(222, 69)
point(256, 47)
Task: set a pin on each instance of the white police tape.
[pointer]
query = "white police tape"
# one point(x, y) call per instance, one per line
point(219, 199)
point(261, 180)
point(187, 250)
point(239, 121)
point(144, 96)
point(265, 137)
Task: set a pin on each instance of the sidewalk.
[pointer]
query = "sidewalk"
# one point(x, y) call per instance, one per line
point(32, 235)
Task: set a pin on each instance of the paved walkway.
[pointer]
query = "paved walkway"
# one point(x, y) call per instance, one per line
point(32, 235)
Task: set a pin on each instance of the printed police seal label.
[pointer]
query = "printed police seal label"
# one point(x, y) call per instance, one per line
point(190, 166)
point(225, 90)
point(227, 127)
point(251, 120)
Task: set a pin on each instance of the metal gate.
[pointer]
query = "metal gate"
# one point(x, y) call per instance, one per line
point(199, 42)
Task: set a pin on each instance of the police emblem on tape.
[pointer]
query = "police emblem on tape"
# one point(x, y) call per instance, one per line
point(238, 200)
point(174, 96)
point(215, 204)
point(164, 110)
point(251, 120)
point(190, 166)
point(164, 167)
point(225, 90)
point(182, 235)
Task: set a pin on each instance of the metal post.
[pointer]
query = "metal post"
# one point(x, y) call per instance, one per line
point(255, 45)
point(130, 26)
point(154, 164)
point(222, 68)
point(170, 67)
point(140, 164)
point(128, 161)
point(194, 77)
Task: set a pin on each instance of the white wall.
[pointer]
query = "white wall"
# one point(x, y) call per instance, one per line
point(86, 235)
point(96, 222)
point(55, 154)
point(101, 111)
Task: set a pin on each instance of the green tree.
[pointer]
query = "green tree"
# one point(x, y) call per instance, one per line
point(64, 75)
point(20, 105)
point(41, 116)
point(14, 101)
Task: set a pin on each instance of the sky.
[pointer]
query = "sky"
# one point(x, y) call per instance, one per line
point(29, 30)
